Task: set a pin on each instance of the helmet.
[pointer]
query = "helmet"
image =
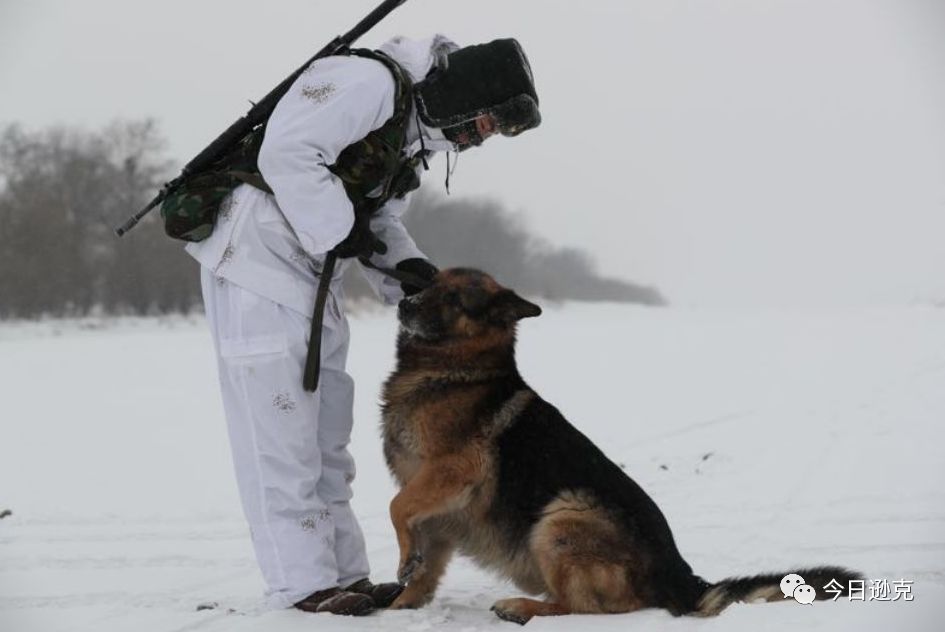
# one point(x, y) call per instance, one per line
point(493, 78)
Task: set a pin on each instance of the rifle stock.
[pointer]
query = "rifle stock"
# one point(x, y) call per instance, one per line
point(258, 114)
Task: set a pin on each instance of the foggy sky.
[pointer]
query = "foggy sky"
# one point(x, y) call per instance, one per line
point(785, 152)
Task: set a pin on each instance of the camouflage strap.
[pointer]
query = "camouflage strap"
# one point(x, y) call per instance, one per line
point(377, 162)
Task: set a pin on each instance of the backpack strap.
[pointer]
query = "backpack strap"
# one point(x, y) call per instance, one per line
point(393, 135)
point(369, 168)
point(253, 179)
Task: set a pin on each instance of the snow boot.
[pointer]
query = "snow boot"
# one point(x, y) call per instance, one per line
point(337, 601)
point(382, 594)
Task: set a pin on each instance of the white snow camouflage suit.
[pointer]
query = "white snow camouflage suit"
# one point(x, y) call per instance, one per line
point(289, 447)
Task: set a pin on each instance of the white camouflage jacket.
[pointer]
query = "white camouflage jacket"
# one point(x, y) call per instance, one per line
point(273, 244)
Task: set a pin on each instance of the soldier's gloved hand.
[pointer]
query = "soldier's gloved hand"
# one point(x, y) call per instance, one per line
point(361, 242)
point(420, 268)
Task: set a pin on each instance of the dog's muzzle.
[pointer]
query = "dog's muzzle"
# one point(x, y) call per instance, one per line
point(408, 307)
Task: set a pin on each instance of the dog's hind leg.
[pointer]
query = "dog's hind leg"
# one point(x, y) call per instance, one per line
point(436, 552)
point(521, 609)
point(584, 560)
point(439, 487)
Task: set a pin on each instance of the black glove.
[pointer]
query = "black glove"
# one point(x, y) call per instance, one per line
point(361, 242)
point(420, 268)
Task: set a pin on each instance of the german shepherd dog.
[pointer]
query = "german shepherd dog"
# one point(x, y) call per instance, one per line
point(489, 468)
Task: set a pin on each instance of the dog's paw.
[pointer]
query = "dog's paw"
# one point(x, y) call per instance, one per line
point(404, 603)
point(506, 612)
point(409, 567)
point(412, 598)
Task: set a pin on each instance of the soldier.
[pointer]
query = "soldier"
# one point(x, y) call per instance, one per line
point(341, 153)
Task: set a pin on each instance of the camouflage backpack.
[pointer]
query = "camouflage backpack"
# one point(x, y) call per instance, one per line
point(372, 170)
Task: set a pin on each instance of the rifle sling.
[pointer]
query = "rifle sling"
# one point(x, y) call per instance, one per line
point(252, 179)
point(401, 107)
point(313, 359)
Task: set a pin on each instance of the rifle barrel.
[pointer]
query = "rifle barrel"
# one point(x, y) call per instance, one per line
point(132, 221)
point(372, 18)
point(257, 114)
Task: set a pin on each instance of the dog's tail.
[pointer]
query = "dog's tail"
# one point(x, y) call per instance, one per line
point(825, 580)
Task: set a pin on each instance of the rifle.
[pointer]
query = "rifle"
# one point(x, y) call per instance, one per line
point(258, 114)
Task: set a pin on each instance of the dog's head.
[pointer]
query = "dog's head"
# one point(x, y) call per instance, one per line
point(462, 304)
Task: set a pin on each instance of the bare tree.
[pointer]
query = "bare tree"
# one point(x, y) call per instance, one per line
point(62, 191)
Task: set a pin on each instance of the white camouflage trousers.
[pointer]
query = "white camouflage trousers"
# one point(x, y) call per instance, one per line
point(289, 446)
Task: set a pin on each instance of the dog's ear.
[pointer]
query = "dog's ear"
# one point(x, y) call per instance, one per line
point(508, 307)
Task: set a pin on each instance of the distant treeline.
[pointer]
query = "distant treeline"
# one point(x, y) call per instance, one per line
point(62, 191)
point(483, 234)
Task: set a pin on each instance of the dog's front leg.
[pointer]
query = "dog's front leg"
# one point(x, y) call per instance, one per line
point(441, 485)
point(436, 550)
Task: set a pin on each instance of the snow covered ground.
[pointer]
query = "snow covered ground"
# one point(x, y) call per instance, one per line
point(771, 440)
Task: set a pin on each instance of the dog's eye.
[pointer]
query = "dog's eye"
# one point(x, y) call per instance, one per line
point(474, 300)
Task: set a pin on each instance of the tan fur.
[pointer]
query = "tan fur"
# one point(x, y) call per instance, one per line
point(715, 600)
point(407, 384)
point(511, 410)
point(421, 429)
point(583, 556)
point(441, 485)
point(521, 610)
point(447, 481)
point(459, 280)
point(440, 453)
point(423, 584)
point(601, 545)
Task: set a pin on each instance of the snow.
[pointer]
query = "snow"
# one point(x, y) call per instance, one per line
point(771, 440)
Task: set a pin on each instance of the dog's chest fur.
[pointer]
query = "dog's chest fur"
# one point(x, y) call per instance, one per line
point(428, 414)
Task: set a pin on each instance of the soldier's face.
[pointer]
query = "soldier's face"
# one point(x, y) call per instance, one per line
point(485, 127)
